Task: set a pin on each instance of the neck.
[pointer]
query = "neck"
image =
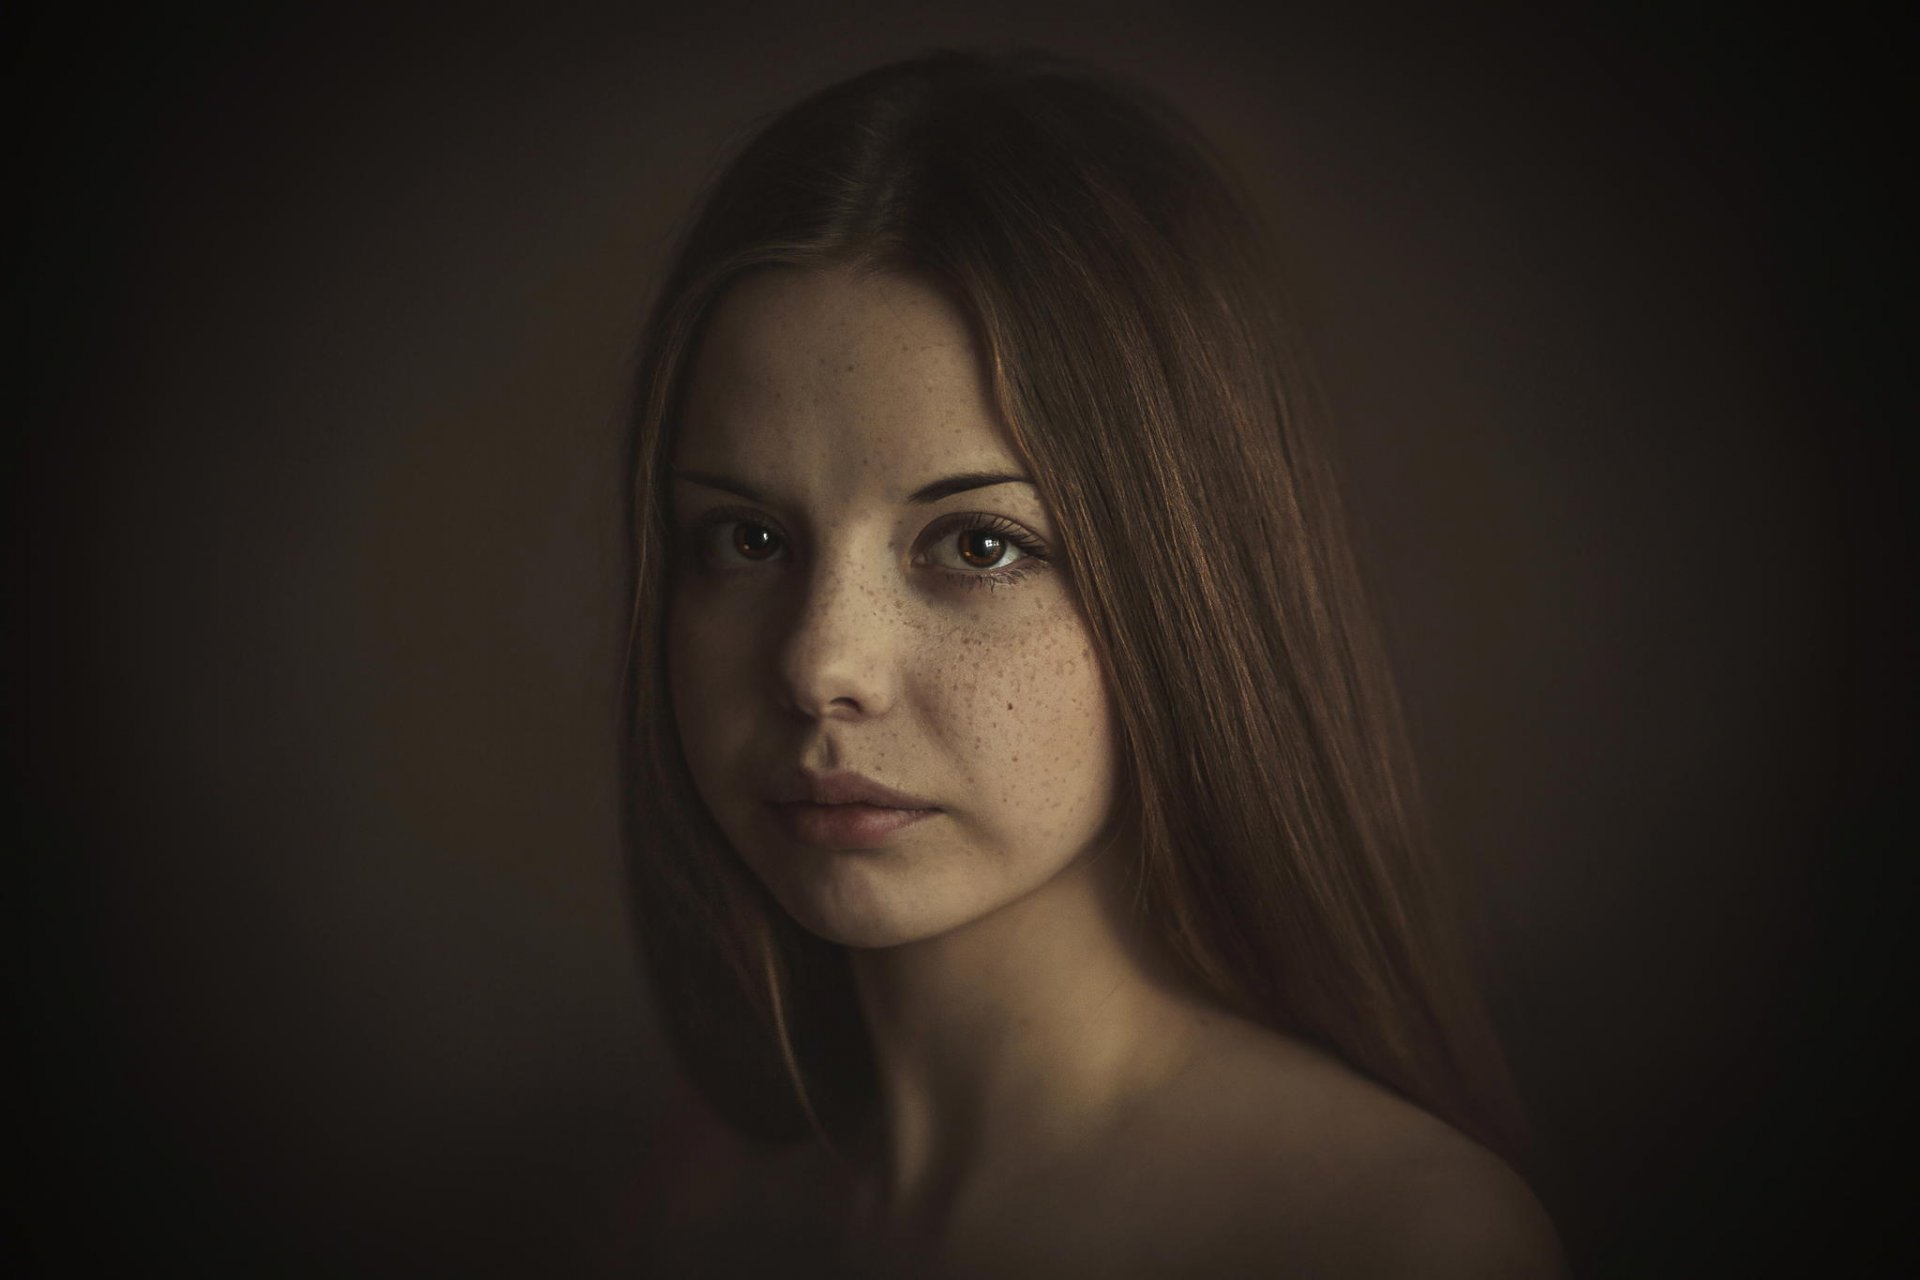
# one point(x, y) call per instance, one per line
point(1019, 1036)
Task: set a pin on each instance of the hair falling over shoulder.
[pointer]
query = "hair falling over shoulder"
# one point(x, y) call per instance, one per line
point(1124, 294)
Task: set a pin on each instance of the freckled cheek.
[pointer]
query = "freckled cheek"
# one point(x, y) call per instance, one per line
point(1028, 720)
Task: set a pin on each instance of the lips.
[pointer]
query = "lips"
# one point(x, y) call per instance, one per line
point(843, 810)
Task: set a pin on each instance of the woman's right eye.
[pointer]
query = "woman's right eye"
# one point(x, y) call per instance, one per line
point(727, 539)
point(755, 541)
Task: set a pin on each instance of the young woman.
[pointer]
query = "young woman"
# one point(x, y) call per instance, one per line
point(1020, 808)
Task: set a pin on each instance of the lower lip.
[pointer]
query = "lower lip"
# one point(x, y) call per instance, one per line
point(844, 826)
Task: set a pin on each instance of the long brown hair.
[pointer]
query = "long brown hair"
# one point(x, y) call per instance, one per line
point(1124, 296)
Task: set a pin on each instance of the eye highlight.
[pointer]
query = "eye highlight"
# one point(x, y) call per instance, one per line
point(755, 541)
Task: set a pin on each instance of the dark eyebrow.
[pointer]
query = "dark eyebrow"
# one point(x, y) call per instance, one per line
point(943, 488)
point(962, 483)
point(721, 483)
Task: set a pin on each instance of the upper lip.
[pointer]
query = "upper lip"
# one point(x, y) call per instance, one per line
point(841, 787)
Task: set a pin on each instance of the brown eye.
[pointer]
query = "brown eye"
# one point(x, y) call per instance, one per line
point(755, 541)
point(981, 549)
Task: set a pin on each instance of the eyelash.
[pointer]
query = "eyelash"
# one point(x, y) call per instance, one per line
point(1034, 553)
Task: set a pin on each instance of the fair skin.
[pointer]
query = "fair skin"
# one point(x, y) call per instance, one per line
point(867, 581)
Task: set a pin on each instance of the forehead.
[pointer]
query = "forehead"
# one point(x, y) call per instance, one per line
point(834, 373)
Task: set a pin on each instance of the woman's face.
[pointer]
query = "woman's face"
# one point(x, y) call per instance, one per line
point(885, 690)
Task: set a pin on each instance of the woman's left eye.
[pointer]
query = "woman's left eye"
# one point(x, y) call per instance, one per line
point(985, 546)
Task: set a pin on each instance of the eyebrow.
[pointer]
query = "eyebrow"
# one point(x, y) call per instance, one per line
point(945, 487)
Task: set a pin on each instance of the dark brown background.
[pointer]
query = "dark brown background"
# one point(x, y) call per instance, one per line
point(315, 545)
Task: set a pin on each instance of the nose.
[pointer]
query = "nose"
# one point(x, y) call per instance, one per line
point(837, 659)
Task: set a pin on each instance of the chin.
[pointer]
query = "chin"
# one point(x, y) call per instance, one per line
point(867, 900)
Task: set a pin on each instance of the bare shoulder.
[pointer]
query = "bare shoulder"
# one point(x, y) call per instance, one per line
point(1445, 1206)
point(1313, 1169)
